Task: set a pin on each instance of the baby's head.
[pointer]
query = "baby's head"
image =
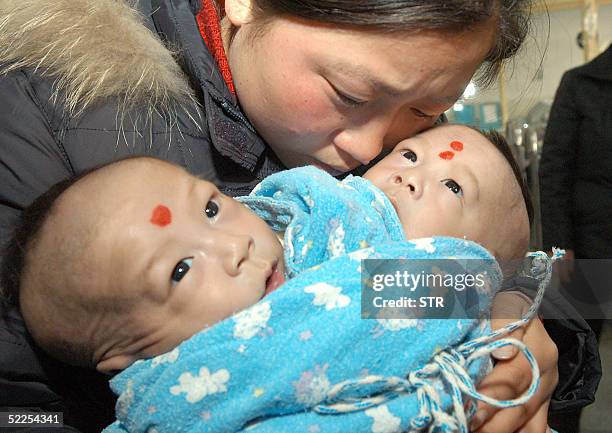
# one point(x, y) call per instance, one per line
point(454, 181)
point(134, 258)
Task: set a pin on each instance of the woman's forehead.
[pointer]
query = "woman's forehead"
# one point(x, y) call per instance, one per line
point(388, 57)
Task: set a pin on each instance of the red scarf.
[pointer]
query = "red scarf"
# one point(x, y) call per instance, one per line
point(210, 29)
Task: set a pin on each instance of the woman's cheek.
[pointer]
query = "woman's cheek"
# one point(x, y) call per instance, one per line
point(308, 103)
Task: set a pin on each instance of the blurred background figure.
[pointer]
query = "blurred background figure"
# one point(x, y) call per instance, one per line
point(576, 189)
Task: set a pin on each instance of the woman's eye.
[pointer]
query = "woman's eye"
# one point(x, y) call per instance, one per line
point(181, 269)
point(410, 155)
point(211, 210)
point(454, 187)
point(419, 113)
point(347, 100)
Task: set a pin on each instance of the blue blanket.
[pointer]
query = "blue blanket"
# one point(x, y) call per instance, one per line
point(322, 217)
point(282, 365)
point(303, 359)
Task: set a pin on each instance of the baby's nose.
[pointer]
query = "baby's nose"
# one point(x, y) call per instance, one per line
point(408, 181)
point(235, 249)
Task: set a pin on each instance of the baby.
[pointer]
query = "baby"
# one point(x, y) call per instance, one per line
point(160, 255)
point(449, 181)
point(454, 181)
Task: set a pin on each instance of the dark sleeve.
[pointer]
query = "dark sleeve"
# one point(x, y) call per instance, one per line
point(557, 167)
point(31, 159)
point(579, 363)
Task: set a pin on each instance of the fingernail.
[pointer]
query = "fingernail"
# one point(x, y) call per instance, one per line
point(504, 352)
point(479, 418)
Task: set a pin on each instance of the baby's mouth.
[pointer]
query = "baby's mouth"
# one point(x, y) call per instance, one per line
point(274, 281)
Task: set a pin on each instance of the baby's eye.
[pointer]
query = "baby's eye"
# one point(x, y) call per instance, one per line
point(454, 187)
point(180, 270)
point(410, 155)
point(212, 209)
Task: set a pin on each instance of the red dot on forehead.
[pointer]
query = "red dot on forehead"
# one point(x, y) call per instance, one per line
point(161, 216)
point(457, 145)
point(448, 155)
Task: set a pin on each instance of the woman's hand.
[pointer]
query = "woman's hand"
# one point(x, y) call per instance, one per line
point(512, 375)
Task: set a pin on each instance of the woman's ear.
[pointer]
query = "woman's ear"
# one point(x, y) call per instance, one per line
point(115, 363)
point(239, 12)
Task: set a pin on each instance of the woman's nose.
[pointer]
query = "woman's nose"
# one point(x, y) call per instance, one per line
point(363, 144)
point(410, 181)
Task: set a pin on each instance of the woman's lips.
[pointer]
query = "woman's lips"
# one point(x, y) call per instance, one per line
point(335, 170)
point(274, 281)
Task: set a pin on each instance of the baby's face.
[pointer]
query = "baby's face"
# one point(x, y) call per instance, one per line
point(451, 181)
point(190, 255)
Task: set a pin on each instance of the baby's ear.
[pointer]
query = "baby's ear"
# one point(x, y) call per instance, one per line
point(116, 363)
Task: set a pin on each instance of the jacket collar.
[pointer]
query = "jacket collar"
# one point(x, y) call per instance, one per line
point(66, 40)
point(232, 134)
point(74, 44)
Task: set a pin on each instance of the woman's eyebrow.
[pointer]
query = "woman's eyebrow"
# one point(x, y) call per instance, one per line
point(358, 72)
point(446, 100)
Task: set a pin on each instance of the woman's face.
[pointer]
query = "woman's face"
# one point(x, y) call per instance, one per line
point(335, 97)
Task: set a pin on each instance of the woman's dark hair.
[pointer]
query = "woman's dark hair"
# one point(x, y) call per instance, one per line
point(513, 17)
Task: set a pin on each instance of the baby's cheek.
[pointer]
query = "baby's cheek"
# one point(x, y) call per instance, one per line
point(433, 219)
point(380, 173)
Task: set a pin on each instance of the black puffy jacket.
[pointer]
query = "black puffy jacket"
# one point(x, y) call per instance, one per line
point(74, 99)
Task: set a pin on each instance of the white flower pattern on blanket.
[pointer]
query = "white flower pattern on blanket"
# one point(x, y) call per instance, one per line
point(384, 421)
point(313, 386)
point(360, 255)
point(328, 296)
point(166, 358)
point(252, 320)
point(198, 387)
point(395, 325)
point(335, 240)
point(426, 244)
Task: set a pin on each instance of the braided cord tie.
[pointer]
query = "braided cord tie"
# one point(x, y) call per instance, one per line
point(450, 367)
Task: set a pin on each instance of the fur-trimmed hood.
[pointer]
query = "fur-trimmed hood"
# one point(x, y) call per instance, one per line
point(92, 49)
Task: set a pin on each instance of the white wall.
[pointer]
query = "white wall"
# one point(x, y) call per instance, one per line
point(525, 85)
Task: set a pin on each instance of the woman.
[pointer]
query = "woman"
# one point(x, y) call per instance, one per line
point(272, 84)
